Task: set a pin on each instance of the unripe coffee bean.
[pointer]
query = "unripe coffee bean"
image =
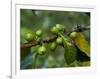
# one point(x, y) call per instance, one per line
point(41, 50)
point(29, 37)
point(59, 27)
point(73, 35)
point(59, 40)
point(53, 46)
point(54, 30)
point(39, 33)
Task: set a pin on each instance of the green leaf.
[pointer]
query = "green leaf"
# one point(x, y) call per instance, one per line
point(85, 63)
point(70, 54)
point(82, 44)
point(70, 50)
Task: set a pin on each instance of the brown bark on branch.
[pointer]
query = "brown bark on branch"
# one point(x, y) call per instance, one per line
point(34, 43)
point(51, 38)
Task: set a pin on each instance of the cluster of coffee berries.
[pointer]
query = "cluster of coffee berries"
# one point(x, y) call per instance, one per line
point(33, 36)
point(60, 40)
point(56, 29)
point(41, 50)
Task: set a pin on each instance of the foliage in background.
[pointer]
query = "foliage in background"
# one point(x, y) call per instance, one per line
point(32, 20)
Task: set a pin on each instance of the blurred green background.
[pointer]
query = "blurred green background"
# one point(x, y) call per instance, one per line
point(32, 20)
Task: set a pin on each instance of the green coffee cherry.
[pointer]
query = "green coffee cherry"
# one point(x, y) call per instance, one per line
point(73, 35)
point(54, 30)
point(59, 27)
point(29, 37)
point(53, 46)
point(59, 40)
point(41, 50)
point(39, 33)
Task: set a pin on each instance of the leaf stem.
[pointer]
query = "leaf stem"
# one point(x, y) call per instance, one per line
point(64, 39)
point(34, 61)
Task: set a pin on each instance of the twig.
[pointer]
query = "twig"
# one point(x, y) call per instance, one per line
point(52, 38)
point(34, 43)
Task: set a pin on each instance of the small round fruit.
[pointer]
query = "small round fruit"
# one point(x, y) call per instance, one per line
point(73, 35)
point(54, 30)
point(41, 50)
point(59, 40)
point(59, 27)
point(39, 33)
point(29, 37)
point(53, 46)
